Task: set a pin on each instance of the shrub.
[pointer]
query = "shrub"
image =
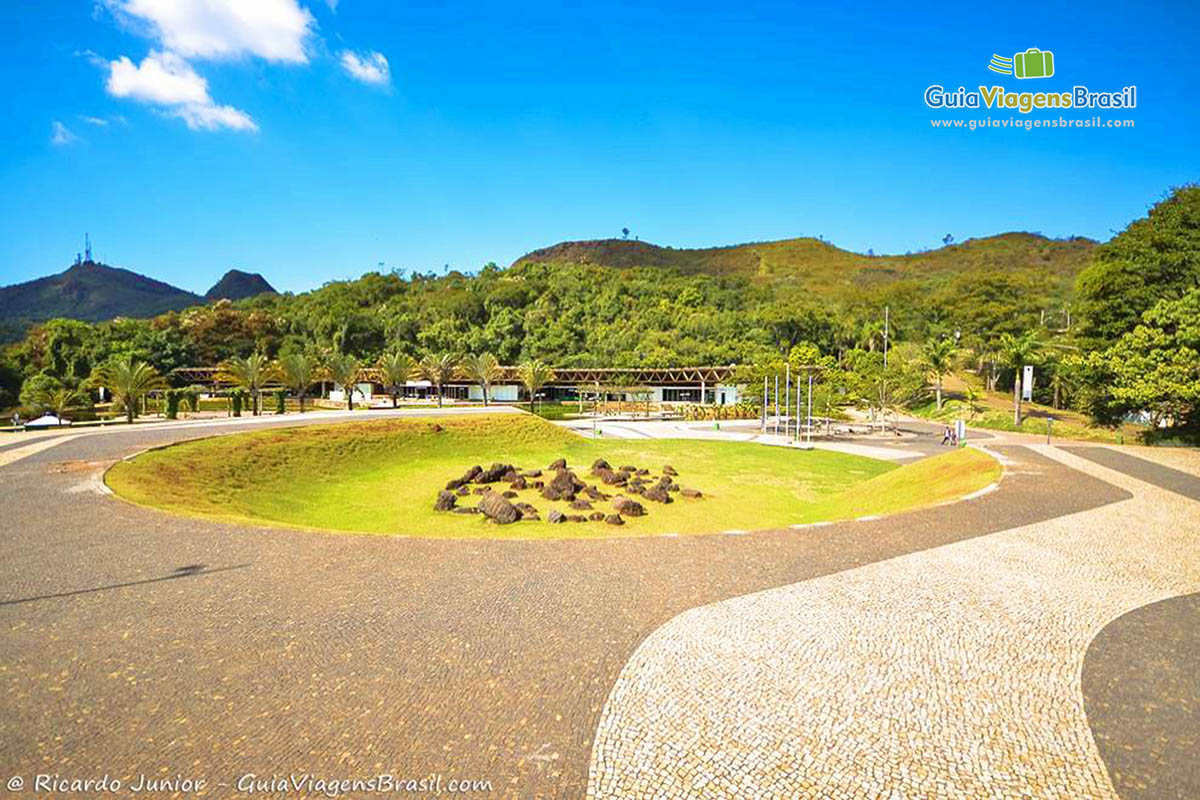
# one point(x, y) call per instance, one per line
point(235, 398)
point(173, 397)
point(280, 401)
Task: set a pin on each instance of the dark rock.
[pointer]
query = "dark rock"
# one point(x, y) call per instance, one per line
point(510, 494)
point(636, 489)
point(606, 475)
point(494, 473)
point(518, 483)
point(595, 493)
point(630, 508)
point(658, 494)
point(465, 510)
point(445, 501)
point(600, 464)
point(558, 463)
point(463, 491)
point(480, 490)
point(581, 505)
point(539, 485)
point(563, 487)
point(577, 518)
point(510, 476)
point(532, 473)
point(497, 508)
point(628, 468)
point(596, 516)
point(669, 470)
point(643, 472)
point(691, 493)
point(614, 519)
point(556, 516)
point(530, 518)
point(466, 478)
point(674, 487)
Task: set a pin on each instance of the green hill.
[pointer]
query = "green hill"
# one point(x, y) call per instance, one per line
point(92, 292)
point(238, 285)
point(820, 266)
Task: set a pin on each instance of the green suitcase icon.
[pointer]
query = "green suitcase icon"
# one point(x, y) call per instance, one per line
point(1033, 63)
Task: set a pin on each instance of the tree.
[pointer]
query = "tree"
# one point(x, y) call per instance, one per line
point(250, 373)
point(972, 396)
point(344, 370)
point(624, 233)
point(937, 356)
point(1155, 368)
point(485, 370)
point(1016, 352)
point(1155, 258)
point(439, 370)
point(534, 375)
point(397, 369)
point(299, 372)
point(128, 381)
point(59, 400)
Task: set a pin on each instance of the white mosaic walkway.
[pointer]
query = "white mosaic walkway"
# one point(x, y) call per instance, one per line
point(953, 672)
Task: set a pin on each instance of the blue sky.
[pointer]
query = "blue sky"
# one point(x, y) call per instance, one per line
point(315, 140)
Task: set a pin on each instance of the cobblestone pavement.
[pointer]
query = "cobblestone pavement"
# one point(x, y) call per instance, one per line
point(133, 641)
point(1141, 691)
point(951, 672)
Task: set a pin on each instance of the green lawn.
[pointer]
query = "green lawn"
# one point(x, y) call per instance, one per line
point(383, 476)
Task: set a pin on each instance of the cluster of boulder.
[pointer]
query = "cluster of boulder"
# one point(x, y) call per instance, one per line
point(503, 507)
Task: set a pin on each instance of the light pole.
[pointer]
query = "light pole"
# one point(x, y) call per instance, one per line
point(787, 394)
point(809, 431)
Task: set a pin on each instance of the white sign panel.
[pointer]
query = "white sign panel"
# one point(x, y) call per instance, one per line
point(1027, 383)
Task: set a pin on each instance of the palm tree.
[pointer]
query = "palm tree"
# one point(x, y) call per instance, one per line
point(298, 372)
point(128, 381)
point(938, 358)
point(534, 375)
point(250, 373)
point(439, 370)
point(485, 370)
point(972, 396)
point(397, 368)
point(343, 370)
point(1016, 352)
point(58, 400)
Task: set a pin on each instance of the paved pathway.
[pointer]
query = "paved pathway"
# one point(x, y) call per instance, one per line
point(134, 641)
point(1141, 691)
point(952, 672)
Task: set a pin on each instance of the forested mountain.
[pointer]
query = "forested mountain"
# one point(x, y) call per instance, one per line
point(92, 292)
point(238, 285)
point(820, 266)
point(621, 303)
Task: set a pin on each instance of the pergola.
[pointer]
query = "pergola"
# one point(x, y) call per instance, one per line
point(616, 378)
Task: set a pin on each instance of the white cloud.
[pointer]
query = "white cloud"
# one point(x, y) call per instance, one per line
point(59, 135)
point(275, 30)
point(369, 67)
point(211, 117)
point(162, 78)
point(99, 122)
point(165, 79)
point(333, 4)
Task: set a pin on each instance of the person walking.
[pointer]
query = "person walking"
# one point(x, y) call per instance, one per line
point(946, 435)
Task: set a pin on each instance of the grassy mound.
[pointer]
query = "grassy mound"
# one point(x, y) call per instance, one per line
point(931, 480)
point(383, 477)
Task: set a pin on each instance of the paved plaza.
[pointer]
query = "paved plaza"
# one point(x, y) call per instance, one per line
point(966, 650)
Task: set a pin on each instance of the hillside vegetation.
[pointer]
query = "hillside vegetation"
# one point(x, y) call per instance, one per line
point(822, 267)
point(91, 292)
